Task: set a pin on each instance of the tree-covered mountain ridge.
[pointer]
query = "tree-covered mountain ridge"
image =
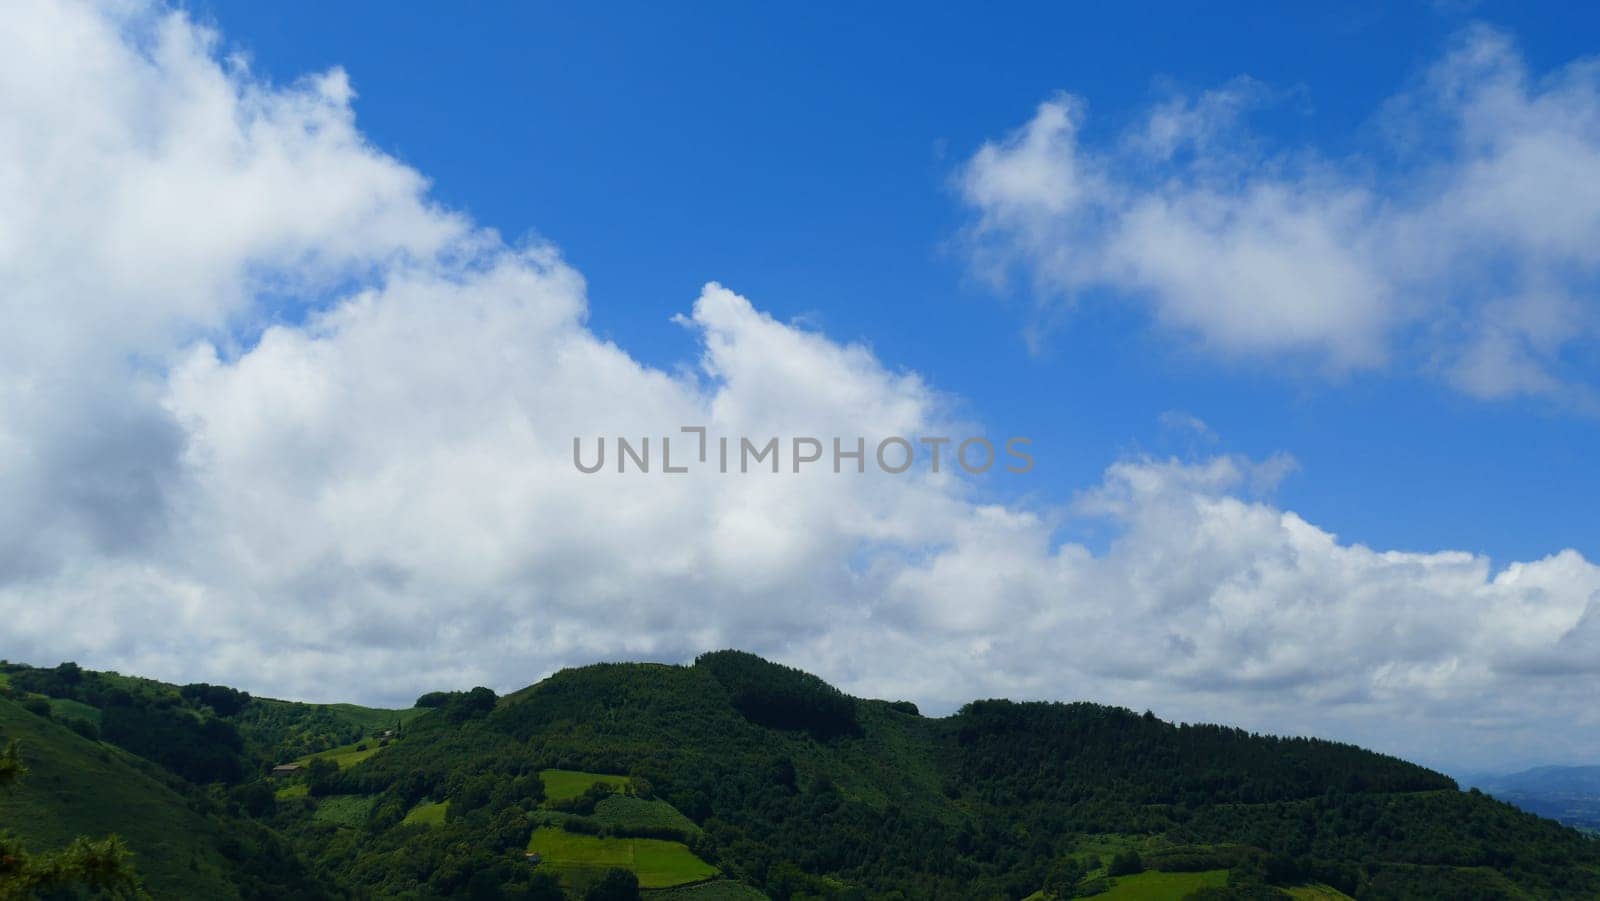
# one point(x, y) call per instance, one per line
point(735, 777)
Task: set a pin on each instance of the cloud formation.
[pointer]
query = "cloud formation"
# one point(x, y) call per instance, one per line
point(1464, 241)
point(269, 416)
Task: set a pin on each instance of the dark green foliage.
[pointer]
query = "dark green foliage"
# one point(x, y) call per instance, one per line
point(198, 748)
point(1063, 876)
point(1247, 891)
point(185, 843)
point(616, 885)
point(150, 719)
point(322, 777)
point(461, 706)
point(584, 804)
point(99, 866)
point(1024, 754)
point(279, 731)
point(796, 789)
point(83, 727)
point(781, 697)
point(222, 700)
point(1125, 863)
point(434, 699)
point(256, 799)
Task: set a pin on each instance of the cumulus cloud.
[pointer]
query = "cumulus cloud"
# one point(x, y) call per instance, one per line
point(268, 416)
point(1461, 243)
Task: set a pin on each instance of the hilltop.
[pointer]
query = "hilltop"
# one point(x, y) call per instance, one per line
point(735, 777)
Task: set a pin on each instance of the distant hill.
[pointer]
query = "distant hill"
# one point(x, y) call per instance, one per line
point(739, 778)
point(1570, 794)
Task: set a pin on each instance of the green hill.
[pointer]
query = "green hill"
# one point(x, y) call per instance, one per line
point(183, 847)
point(741, 778)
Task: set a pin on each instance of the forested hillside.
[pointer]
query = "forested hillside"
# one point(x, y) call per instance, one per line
point(737, 778)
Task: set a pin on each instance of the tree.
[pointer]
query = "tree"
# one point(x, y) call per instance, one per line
point(1125, 863)
point(616, 885)
point(322, 776)
point(98, 866)
point(1063, 876)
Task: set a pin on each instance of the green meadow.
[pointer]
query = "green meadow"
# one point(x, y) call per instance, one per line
point(657, 863)
point(427, 813)
point(76, 787)
point(348, 811)
point(1154, 886)
point(564, 785)
point(346, 756)
point(628, 812)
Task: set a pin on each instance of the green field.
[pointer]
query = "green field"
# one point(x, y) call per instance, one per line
point(1154, 886)
point(343, 810)
point(562, 785)
point(629, 812)
point(658, 864)
point(374, 719)
point(715, 890)
point(345, 756)
point(427, 813)
point(1317, 893)
point(66, 708)
point(297, 790)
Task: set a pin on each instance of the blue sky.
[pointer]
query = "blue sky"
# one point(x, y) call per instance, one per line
point(1298, 311)
point(808, 159)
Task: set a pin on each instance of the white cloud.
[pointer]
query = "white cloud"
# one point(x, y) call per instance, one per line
point(1464, 242)
point(370, 492)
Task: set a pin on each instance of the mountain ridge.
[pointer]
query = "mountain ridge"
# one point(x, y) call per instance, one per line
point(800, 791)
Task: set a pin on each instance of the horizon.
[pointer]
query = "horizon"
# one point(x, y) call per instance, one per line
point(308, 312)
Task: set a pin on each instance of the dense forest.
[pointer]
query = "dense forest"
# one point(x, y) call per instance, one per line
point(737, 778)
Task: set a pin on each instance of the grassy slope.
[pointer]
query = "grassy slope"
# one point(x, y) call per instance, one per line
point(1154, 886)
point(77, 787)
point(348, 811)
point(427, 813)
point(658, 864)
point(894, 761)
point(1316, 893)
point(642, 713)
point(715, 890)
point(345, 755)
point(564, 785)
point(628, 812)
point(637, 718)
point(268, 723)
point(372, 719)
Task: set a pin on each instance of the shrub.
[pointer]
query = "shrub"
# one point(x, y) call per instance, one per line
point(1125, 863)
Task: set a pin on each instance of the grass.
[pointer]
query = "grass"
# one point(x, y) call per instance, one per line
point(78, 787)
point(1154, 886)
point(629, 812)
point(345, 756)
point(374, 719)
point(1317, 892)
point(715, 890)
point(427, 813)
point(561, 785)
point(344, 810)
point(297, 790)
point(657, 863)
point(63, 708)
